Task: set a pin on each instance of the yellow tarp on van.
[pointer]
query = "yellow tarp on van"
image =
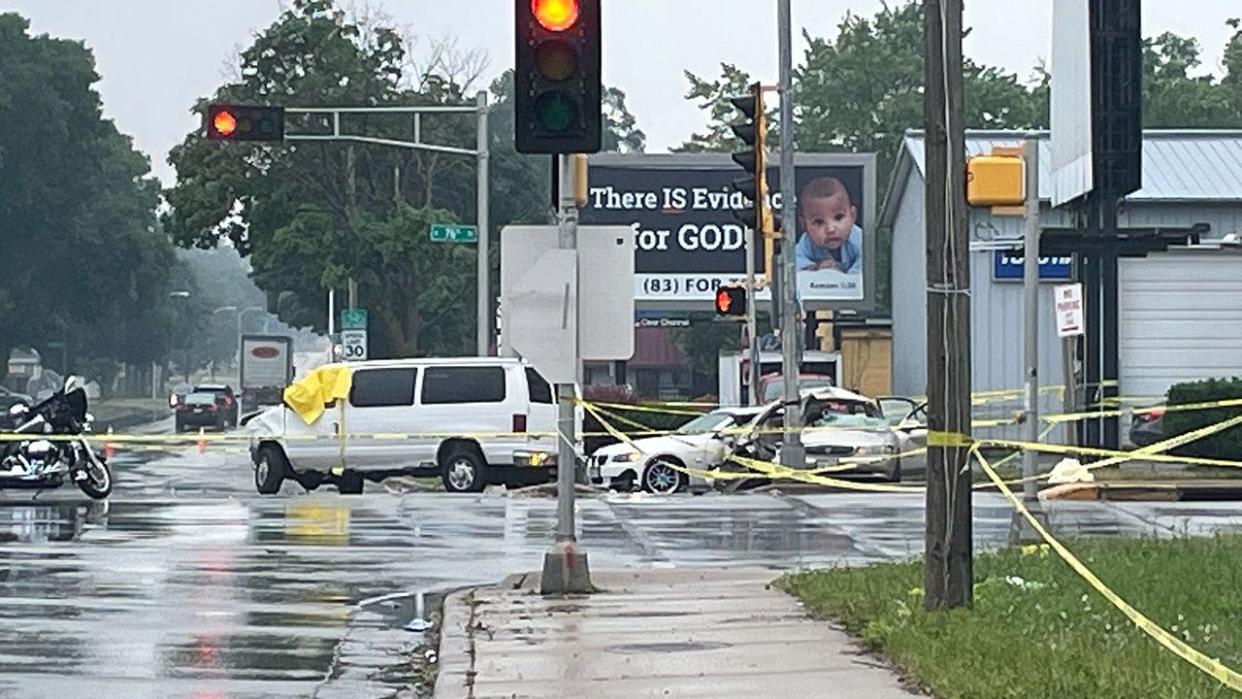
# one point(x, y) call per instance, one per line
point(309, 396)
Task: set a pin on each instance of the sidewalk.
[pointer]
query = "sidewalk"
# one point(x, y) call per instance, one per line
point(658, 633)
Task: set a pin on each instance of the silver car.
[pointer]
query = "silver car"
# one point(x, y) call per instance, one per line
point(845, 434)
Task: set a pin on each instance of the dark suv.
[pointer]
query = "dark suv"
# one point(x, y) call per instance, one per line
point(224, 401)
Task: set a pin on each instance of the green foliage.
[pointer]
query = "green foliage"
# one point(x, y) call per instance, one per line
point(1226, 444)
point(1174, 97)
point(1046, 634)
point(83, 260)
point(308, 226)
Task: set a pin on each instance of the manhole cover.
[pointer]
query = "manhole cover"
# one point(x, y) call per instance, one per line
point(688, 646)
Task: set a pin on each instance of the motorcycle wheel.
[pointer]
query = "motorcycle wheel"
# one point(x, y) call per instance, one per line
point(98, 481)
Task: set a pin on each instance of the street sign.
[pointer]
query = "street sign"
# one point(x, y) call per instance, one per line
point(353, 345)
point(1007, 266)
point(452, 233)
point(1071, 319)
point(353, 319)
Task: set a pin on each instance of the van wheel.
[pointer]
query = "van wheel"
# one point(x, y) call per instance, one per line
point(269, 470)
point(463, 470)
point(350, 483)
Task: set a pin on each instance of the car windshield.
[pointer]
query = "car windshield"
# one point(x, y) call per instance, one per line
point(776, 389)
point(201, 399)
point(852, 414)
point(706, 423)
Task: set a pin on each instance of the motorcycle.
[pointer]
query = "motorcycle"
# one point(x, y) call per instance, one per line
point(42, 463)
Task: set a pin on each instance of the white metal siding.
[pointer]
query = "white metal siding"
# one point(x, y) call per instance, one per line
point(909, 292)
point(1181, 319)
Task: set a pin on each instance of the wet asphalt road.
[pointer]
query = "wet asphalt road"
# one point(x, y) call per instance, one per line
point(188, 584)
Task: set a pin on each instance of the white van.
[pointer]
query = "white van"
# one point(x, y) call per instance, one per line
point(470, 421)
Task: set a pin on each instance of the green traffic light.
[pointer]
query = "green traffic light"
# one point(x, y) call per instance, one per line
point(555, 111)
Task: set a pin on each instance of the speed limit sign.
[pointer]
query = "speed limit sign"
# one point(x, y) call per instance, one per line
point(353, 345)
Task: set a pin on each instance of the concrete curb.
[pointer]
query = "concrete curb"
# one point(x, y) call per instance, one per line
point(456, 654)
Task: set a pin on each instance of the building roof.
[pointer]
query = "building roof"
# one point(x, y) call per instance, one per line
point(654, 347)
point(1178, 165)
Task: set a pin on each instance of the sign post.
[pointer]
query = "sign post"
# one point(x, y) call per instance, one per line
point(1071, 324)
point(354, 334)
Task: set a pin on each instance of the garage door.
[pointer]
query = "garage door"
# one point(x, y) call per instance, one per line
point(1181, 319)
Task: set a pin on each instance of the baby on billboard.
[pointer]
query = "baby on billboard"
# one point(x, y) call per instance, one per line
point(830, 239)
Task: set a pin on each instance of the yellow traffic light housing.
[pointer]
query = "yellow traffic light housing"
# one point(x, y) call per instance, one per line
point(995, 180)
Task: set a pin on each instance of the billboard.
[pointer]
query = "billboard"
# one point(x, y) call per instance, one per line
point(1072, 158)
point(687, 242)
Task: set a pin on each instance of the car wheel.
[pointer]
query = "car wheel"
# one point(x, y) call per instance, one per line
point(624, 484)
point(464, 470)
point(894, 476)
point(661, 478)
point(350, 483)
point(270, 468)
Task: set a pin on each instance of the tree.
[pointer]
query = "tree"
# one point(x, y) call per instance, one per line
point(83, 261)
point(1174, 98)
point(308, 226)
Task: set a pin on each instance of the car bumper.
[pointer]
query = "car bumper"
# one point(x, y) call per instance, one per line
point(831, 465)
point(200, 419)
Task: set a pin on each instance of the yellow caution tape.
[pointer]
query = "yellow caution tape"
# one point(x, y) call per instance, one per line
point(1183, 650)
point(936, 438)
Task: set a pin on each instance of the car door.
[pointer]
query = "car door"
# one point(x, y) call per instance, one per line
point(462, 401)
point(908, 418)
point(381, 402)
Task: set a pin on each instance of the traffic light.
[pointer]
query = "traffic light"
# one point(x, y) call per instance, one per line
point(731, 302)
point(236, 122)
point(753, 131)
point(557, 109)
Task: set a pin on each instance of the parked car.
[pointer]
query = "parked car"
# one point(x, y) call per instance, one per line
point(200, 409)
point(772, 386)
point(844, 430)
point(1147, 426)
point(472, 422)
point(701, 444)
point(226, 399)
point(8, 399)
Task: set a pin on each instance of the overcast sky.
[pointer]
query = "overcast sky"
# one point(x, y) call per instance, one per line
point(158, 56)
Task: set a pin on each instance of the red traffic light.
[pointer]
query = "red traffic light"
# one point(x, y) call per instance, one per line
point(224, 123)
point(555, 15)
point(731, 301)
point(240, 122)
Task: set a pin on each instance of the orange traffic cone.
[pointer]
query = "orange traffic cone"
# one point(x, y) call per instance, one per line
point(202, 441)
point(109, 447)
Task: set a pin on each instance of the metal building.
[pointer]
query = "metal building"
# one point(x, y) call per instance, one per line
point(1181, 310)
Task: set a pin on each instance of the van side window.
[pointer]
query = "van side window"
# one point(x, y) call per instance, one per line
point(378, 388)
point(540, 390)
point(463, 384)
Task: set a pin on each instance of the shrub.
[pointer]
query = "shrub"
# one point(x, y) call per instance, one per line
point(1226, 444)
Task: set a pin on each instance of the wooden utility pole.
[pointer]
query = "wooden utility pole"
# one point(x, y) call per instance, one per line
point(948, 567)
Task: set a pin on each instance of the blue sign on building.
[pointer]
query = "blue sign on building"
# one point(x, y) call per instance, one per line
point(1007, 266)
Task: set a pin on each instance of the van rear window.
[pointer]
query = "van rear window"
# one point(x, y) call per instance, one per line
point(540, 390)
point(379, 388)
point(463, 384)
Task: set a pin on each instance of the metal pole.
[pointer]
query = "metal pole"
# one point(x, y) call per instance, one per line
point(484, 288)
point(792, 454)
point(1030, 350)
point(565, 569)
point(752, 293)
point(565, 453)
point(331, 325)
point(351, 190)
